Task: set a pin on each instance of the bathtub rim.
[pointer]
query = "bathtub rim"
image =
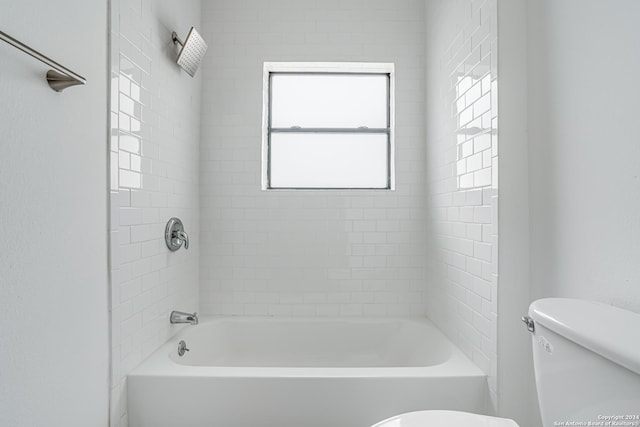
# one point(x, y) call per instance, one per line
point(160, 364)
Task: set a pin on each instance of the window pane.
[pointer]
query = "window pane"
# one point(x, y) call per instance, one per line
point(328, 160)
point(334, 101)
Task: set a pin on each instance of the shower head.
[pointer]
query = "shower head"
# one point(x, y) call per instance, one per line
point(192, 51)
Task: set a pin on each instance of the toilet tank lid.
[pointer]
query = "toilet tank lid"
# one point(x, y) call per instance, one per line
point(611, 332)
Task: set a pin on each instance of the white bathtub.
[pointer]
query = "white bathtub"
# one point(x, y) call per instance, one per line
point(262, 372)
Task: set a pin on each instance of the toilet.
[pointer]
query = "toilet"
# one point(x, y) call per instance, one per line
point(445, 419)
point(586, 357)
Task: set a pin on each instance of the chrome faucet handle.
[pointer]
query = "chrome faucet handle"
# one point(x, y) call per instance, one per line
point(175, 236)
point(184, 237)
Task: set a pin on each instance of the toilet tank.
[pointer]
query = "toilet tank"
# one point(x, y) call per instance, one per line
point(587, 363)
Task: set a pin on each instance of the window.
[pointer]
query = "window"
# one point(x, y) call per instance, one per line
point(328, 126)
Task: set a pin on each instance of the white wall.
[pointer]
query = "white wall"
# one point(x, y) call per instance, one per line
point(462, 171)
point(515, 368)
point(584, 150)
point(53, 216)
point(569, 67)
point(312, 253)
point(155, 113)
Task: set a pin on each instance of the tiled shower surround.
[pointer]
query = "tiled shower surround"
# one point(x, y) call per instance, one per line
point(154, 176)
point(462, 173)
point(192, 148)
point(315, 252)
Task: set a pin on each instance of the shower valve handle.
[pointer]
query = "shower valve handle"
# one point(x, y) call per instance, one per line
point(184, 237)
point(175, 236)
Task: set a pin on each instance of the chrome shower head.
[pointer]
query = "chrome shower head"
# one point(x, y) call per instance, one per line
point(192, 51)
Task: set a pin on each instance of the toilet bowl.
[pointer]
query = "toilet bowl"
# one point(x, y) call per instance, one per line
point(444, 419)
point(586, 360)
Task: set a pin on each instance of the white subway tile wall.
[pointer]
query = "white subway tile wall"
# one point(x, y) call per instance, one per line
point(301, 253)
point(462, 175)
point(155, 113)
point(308, 253)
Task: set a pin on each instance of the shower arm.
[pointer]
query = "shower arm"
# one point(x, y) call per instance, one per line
point(176, 39)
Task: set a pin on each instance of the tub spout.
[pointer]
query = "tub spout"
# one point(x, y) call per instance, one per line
point(181, 317)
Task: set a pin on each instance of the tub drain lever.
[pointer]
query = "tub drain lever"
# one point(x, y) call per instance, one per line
point(182, 348)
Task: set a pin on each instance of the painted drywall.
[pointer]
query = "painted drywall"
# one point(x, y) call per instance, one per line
point(583, 180)
point(461, 141)
point(515, 368)
point(54, 338)
point(155, 115)
point(583, 150)
point(308, 253)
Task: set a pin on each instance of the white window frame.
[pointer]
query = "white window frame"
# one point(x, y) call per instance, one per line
point(326, 67)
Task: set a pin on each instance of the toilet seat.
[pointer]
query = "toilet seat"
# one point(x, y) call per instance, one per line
point(444, 419)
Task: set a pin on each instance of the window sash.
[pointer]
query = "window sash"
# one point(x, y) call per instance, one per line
point(331, 73)
point(298, 129)
point(388, 70)
point(352, 181)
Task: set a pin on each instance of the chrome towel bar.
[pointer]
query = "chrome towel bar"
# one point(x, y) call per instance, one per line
point(60, 77)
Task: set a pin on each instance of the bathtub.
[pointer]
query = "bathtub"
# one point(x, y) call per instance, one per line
point(262, 372)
